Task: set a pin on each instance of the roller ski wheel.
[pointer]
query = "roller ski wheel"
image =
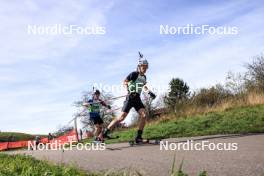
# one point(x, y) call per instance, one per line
point(138, 142)
point(98, 141)
point(144, 141)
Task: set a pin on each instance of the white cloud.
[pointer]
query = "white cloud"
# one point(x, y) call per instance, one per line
point(17, 45)
point(36, 92)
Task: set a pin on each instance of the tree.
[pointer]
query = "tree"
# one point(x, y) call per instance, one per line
point(235, 83)
point(62, 130)
point(256, 73)
point(179, 93)
point(211, 96)
point(150, 106)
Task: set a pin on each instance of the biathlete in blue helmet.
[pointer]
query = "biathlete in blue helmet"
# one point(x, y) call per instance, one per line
point(94, 105)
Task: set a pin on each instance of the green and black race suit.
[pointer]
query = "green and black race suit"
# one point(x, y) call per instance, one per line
point(94, 111)
point(136, 83)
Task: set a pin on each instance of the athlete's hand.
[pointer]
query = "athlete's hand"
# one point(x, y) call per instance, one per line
point(86, 104)
point(152, 95)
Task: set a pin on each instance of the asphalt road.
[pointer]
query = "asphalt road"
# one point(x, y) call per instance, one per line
point(248, 159)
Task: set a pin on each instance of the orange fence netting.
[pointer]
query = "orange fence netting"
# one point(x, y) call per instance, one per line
point(66, 138)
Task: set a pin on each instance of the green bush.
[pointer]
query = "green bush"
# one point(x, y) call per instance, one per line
point(211, 96)
point(12, 136)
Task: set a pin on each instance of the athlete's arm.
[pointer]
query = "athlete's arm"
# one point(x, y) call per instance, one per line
point(151, 94)
point(131, 77)
point(87, 103)
point(104, 104)
point(125, 83)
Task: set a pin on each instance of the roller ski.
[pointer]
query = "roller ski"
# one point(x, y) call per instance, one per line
point(98, 140)
point(107, 136)
point(141, 141)
point(110, 137)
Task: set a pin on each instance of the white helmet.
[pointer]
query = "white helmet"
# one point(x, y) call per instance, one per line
point(143, 62)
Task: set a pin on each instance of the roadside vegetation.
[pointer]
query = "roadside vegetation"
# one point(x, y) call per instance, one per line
point(29, 166)
point(13, 136)
point(239, 120)
point(234, 107)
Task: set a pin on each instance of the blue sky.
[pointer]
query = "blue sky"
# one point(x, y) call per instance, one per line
point(41, 76)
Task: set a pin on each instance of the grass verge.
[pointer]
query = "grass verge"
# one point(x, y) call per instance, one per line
point(22, 165)
point(249, 119)
point(28, 166)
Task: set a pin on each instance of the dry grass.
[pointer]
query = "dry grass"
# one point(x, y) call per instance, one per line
point(255, 98)
point(251, 98)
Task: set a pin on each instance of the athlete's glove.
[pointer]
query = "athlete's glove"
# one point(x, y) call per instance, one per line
point(108, 106)
point(152, 95)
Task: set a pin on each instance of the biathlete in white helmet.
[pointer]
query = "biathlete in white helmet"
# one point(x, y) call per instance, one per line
point(134, 82)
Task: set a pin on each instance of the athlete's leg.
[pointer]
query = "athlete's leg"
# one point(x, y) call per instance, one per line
point(100, 136)
point(98, 129)
point(142, 119)
point(141, 125)
point(117, 120)
point(126, 108)
point(113, 123)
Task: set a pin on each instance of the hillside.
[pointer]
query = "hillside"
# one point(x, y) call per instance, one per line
point(248, 119)
point(14, 136)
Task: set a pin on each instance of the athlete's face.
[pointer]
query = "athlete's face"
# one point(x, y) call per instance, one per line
point(96, 96)
point(143, 68)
